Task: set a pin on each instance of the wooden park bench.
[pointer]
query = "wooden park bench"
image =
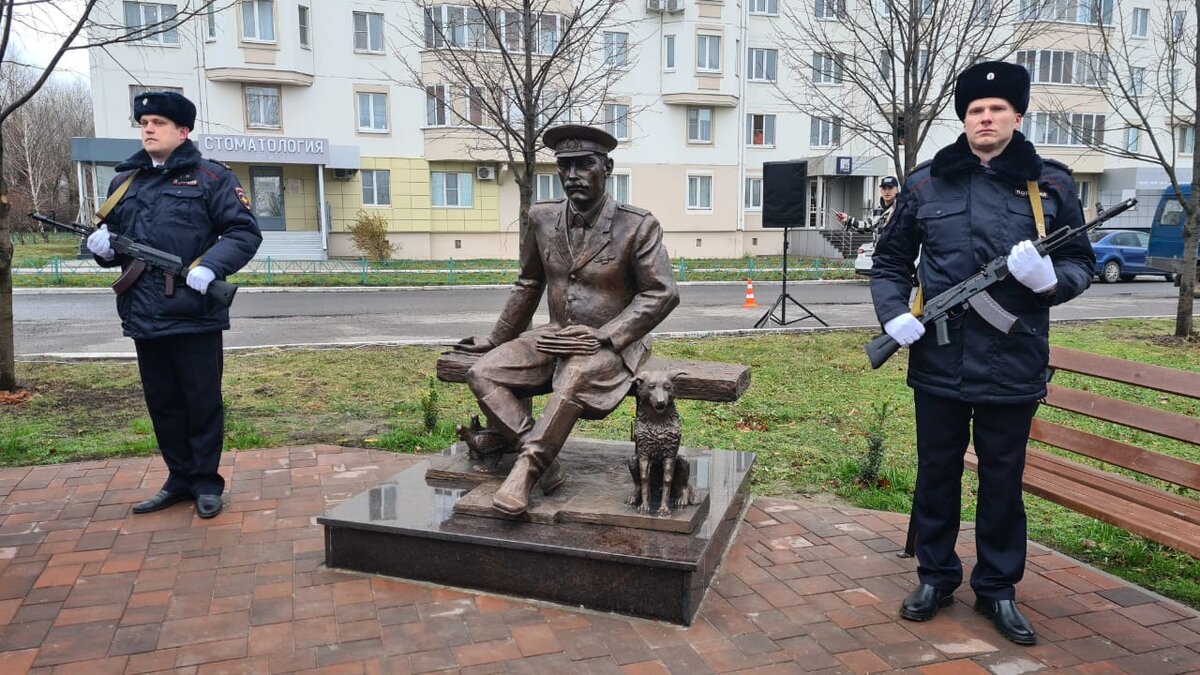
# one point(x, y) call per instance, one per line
point(697, 381)
point(1116, 498)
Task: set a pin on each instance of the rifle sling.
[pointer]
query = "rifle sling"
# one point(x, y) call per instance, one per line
point(131, 274)
point(1039, 216)
point(113, 199)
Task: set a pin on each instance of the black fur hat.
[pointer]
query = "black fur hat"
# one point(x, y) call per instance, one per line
point(992, 79)
point(169, 104)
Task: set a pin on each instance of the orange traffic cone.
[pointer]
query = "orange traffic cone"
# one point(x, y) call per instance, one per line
point(750, 303)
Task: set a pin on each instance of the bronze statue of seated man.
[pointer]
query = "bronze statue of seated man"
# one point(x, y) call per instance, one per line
point(609, 282)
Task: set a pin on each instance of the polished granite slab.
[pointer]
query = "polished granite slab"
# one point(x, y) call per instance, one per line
point(407, 527)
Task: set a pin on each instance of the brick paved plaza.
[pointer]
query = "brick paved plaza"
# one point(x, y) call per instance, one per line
point(87, 587)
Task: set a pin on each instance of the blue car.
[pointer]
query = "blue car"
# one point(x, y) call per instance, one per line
point(1121, 254)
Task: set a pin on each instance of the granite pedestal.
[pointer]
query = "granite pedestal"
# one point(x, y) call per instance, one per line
point(407, 527)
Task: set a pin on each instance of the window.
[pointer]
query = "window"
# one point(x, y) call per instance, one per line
point(377, 190)
point(549, 33)
point(825, 132)
point(135, 89)
point(1051, 66)
point(708, 52)
point(210, 21)
point(437, 106)
point(1133, 139)
point(258, 20)
point(753, 200)
point(885, 65)
point(1177, 19)
point(616, 49)
point(699, 192)
point(368, 32)
point(760, 130)
point(700, 125)
point(981, 11)
point(152, 16)
point(372, 112)
point(764, 7)
point(1078, 129)
point(262, 107)
point(548, 187)
point(1068, 11)
point(1139, 26)
point(762, 64)
point(1137, 80)
point(1187, 139)
point(451, 189)
point(304, 22)
point(616, 120)
point(475, 106)
point(617, 185)
point(830, 9)
point(827, 69)
point(669, 52)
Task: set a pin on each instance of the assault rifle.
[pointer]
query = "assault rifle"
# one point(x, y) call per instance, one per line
point(144, 256)
point(972, 292)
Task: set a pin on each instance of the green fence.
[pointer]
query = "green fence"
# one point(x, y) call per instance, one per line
point(57, 271)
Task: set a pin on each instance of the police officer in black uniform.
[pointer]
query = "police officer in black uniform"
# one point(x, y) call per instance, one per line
point(969, 205)
point(179, 202)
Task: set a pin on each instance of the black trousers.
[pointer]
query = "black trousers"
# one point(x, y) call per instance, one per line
point(1000, 431)
point(181, 378)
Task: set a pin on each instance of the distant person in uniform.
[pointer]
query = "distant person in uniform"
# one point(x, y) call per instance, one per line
point(609, 282)
point(889, 187)
point(972, 204)
point(179, 202)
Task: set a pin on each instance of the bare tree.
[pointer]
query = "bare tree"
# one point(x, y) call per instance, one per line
point(38, 166)
point(509, 69)
point(1139, 58)
point(37, 15)
point(885, 69)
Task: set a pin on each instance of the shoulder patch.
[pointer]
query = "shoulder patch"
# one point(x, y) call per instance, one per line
point(242, 197)
point(633, 209)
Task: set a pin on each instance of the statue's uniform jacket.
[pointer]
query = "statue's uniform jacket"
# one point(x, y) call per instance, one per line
point(620, 283)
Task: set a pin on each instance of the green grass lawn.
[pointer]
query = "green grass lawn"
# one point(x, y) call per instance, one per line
point(34, 253)
point(808, 415)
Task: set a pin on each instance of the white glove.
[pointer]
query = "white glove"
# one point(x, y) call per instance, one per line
point(200, 277)
point(1033, 270)
point(905, 329)
point(98, 243)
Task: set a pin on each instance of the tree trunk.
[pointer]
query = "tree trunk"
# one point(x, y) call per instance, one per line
point(8, 368)
point(1184, 311)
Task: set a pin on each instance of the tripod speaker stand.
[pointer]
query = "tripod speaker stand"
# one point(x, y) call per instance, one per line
point(778, 312)
point(785, 205)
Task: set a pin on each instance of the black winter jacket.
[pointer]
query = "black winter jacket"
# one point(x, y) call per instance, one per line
point(194, 208)
point(959, 215)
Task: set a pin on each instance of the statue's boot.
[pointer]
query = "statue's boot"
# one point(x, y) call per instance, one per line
point(539, 448)
point(506, 413)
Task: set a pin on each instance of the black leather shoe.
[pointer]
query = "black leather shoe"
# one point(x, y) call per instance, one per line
point(208, 506)
point(1007, 619)
point(161, 501)
point(923, 603)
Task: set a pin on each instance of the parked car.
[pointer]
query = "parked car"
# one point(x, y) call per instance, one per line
point(1121, 254)
point(862, 262)
point(1166, 233)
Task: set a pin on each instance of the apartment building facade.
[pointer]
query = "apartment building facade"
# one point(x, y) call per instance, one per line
point(312, 103)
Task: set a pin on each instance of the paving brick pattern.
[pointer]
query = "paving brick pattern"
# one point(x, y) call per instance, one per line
point(87, 587)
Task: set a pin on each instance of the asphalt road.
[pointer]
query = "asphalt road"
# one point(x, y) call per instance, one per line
point(84, 322)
